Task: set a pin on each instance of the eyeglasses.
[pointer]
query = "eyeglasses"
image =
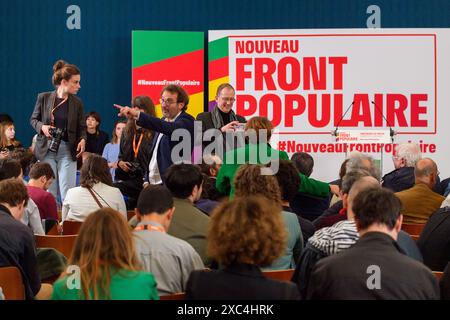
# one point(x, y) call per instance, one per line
point(167, 102)
point(228, 99)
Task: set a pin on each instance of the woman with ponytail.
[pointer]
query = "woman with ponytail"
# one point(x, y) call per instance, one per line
point(58, 119)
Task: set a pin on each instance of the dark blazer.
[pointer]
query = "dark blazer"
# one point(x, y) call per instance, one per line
point(434, 241)
point(238, 282)
point(17, 249)
point(207, 123)
point(76, 125)
point(345, 275)
point(159, 126)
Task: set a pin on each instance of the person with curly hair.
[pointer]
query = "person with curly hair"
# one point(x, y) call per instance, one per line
point(249, 181)
point(244, 235)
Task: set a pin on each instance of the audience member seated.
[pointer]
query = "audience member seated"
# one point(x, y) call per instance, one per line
point(10, 168)
point(342, 171)
point(306, 205)
point(420, 201)
point(169, 259)
point(405, 158)
point(375, 267)
point(8, 142)
point(111, 150)
point(108, 265)
point(249, 181)
point(210, 195)
point(26, 158)
point(210, 167)
point(434, 241)
point(356, 161)
point(135, 153)
point(336, 238)
point(96, 138)
point(188, 223)
point(261, 152)
point(289, 180)
point(258, 241)
point(41, 177)
point(205, 204)
point(342, 235)
point(95, 191)
point(17, 246)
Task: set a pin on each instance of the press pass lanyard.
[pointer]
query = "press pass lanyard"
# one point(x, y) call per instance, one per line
point(136, 149)
point(150, 228)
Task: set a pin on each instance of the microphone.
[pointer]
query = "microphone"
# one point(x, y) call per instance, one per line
point(334, 133)
point(391, 131)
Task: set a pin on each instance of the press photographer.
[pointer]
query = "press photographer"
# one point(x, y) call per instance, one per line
point(58, 119)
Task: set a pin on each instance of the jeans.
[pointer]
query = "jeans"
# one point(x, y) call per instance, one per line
point(65, 170)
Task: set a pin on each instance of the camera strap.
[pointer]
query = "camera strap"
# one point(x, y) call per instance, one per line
point(136, 148)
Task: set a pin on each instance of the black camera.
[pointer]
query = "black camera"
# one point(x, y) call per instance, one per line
point(134, 166)
point(57, 135)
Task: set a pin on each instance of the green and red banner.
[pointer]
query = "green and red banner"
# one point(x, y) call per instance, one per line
point(160, 58)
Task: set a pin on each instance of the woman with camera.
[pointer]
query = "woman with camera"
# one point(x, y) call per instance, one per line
point(58, 119)
point(135, 153)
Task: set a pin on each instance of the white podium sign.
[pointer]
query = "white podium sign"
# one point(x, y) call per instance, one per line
point(364, 136)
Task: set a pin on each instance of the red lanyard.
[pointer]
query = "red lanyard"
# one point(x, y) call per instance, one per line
point(136, 149)
point(150, 228)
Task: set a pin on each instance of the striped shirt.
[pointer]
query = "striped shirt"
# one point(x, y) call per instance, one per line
point(338, 237)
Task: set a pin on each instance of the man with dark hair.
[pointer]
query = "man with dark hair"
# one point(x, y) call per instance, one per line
point(303, 162)
point(10, 168)
point(41, 177)
point(169, 259)
point(174, 101)
point(306, 205)
point(17, 246)
point(375, 267)
point(190, 224)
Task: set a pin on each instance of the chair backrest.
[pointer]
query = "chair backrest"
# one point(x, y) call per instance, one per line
point(438, 274)
point(63, 244)
point(11, 283)
point(174, 296)
point(130, 214)
point(413, 228)
point(71, 227)
point(53, 231)
point(280, 275)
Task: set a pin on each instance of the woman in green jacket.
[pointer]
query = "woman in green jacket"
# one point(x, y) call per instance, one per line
point(104, 265)
point(259, 151)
